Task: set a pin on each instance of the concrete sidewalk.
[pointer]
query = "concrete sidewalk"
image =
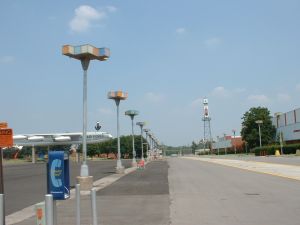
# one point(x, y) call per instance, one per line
point(281, 170)
point(140, 197)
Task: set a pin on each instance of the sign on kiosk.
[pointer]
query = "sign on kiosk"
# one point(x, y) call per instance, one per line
point(6, 137)
point(58, 177)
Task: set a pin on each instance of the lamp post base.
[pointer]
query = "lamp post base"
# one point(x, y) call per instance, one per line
point(84, 170)
point(86, 183)
point(134, 163)
point(120, 170)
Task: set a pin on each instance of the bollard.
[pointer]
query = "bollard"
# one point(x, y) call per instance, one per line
point(94, 206)
point(40, 213)
point(49, 209)
point(2, 211)
point(54, 213)
point(77, 186)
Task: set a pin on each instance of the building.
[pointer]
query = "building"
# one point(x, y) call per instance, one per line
point(289, 125)
point(227, 144)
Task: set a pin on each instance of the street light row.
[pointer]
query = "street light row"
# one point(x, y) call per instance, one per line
point(117, 96)
point(86, 53)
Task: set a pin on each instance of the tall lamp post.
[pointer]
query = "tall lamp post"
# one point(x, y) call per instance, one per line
point(150, 145)
point(141, 125)
point(234, 146)
point(278, 114)
point(118, 96)
point(85, 53)
point(225, 143)
point(259, 122)
point(147, 133)
point(218, 144)
point(132, 114)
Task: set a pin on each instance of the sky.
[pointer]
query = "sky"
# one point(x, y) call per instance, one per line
point(168, 55)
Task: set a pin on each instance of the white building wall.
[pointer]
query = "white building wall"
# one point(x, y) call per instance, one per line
point(289, 125)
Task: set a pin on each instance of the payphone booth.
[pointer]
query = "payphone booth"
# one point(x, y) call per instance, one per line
point(58, 175)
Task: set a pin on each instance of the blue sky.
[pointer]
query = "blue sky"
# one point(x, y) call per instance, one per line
point(167, 55)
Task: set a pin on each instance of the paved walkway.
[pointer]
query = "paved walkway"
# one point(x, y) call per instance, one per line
point(139, 198)
point(281, 170)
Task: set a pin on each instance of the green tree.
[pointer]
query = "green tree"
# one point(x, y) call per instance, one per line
point(250, 132)
point(194, 147)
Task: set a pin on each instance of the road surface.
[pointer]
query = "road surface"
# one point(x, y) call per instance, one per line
point(26, 184)
point(183, 191)
point(207, 193)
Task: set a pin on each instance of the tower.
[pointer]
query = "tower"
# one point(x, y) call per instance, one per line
point(207, 129)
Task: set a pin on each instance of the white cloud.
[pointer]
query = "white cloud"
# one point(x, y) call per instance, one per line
point(111, 9)
point(212, 42)
point(180, 30)
point(283, 97)
point(153, 97)
point(221, 92)
point(197, 102)
point(84, 16)
point(258, 98)
point(7, 59)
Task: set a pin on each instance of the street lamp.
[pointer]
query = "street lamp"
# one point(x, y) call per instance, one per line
point(132, 114)
point(147, 133)
point(218, 144)
point(259, 122)
point(85, 53)
point(234, 146)
point(150, 145)
point(118, 96)
point(278, 114)
point(225, 144)
point(141, 124)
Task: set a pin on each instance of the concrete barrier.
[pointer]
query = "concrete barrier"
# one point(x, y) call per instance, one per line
point(298, 152)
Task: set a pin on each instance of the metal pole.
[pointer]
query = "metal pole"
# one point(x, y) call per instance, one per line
point(2, 200)
point(33, 154)
point(49, 209)
point(281, 145)
point(234, 142)
point(94, 206)
point(119, 163)
point(77, 186)
point(2, 209)
point(84, 171)
point(259, 135)
point(142, 143)
point(147, 153)
point(54, 212)
point(1, 172)
point(133, 147)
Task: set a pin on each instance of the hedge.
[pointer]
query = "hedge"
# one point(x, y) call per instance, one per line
point(270, 150)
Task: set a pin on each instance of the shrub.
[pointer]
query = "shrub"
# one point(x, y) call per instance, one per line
point(270, 150)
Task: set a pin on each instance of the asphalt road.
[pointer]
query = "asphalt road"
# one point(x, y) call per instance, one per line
point(26, 184)
point(138, 198)
point(190, 192)
point(207, 193)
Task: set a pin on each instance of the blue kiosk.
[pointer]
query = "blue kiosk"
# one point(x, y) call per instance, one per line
point(58, 175)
